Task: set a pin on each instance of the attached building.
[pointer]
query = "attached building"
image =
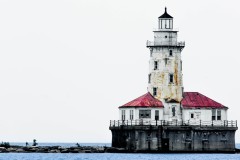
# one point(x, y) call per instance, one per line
point(193, 108)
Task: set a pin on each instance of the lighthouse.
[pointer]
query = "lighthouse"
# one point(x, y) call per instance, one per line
point(167, 118)
point(165, 66)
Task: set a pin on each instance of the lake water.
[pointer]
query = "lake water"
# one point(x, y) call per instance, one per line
point(110, 156)
point(115, 156)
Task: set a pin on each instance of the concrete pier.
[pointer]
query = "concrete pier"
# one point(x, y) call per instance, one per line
point(174, 138)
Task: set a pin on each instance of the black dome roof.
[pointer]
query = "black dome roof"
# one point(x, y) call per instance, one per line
point(165, 14)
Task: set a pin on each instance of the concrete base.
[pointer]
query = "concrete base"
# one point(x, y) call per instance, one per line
point(174, 138)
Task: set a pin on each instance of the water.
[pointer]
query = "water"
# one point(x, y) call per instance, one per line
point(238, 145)
point(110, 156)
point(116, 156)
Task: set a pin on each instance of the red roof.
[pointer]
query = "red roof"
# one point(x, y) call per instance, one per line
point(197, 100)
point(190, 100)
point(146, 100)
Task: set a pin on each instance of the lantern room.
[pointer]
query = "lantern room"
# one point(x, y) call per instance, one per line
point(165, 21)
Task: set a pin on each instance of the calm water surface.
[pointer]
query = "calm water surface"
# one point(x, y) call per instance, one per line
point(111, 156)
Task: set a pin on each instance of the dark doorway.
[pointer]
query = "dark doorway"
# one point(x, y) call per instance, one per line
point(165, 144)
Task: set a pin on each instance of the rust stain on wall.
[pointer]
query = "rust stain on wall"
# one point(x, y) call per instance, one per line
point(176, 72)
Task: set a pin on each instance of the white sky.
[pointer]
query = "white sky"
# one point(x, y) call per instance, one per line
point(66, 66)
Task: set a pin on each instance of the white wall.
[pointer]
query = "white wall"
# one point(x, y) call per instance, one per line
point(136, 113)
point(165, 113)
point(160, 37)
point(205, 114)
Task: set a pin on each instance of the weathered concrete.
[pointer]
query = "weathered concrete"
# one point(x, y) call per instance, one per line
point(174, 138)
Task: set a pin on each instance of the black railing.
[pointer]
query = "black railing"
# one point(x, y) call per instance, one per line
point(167, 43)
point(217, 123)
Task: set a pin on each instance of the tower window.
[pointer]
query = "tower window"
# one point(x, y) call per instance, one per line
point(154, 91)
point(170, 53)
point(149, 78)
point(165, 36)
point(151, 51)
point(170, 78)
point(155, 65)
point(165, 60)
point(167, 24)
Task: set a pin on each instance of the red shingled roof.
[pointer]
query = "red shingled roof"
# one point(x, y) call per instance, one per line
point(190, 100)
point(197, 100)
point(146, 100)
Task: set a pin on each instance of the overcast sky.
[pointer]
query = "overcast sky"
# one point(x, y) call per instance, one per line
point(66, 66)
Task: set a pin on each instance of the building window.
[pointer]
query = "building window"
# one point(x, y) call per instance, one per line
point(156, 115)
point(170, 53)
point(131, 114)
point(154, 91)
point(218, 114)
point(144, 113)
point(155, 65)
point(170, 78)
point(123, 115)
point(151, 51)
point(149, 78)
point(192, 115)
point(165, 36)
point(173, 111)
point(213, 114)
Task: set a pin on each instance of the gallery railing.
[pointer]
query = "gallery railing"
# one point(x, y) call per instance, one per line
point(166, 29)
point(167, 43)
point(217, 123)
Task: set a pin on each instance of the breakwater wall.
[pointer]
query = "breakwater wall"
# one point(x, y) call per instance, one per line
point(86, 149)
point(53, 149)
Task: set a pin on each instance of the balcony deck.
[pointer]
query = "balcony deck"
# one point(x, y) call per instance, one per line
point(180, 44)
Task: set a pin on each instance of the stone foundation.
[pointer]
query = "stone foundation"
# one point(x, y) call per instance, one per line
point(174, 138)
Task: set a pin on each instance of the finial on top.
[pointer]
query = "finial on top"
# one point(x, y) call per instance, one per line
point(165, 14)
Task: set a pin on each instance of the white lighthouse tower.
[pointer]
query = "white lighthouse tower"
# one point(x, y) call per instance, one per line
point(165, 67)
